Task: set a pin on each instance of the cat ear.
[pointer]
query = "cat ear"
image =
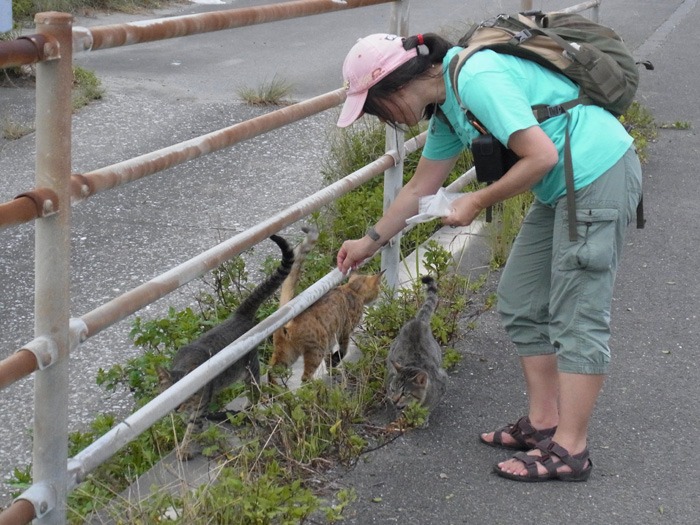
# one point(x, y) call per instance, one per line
point(421, 378)
point(396, 365)
point(164, 378)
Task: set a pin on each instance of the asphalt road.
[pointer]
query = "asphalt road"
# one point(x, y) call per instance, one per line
point(165, 92)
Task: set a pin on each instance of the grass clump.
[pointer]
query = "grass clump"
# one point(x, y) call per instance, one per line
point(86, 87)
point(272, 93)
point(13, 130)
point(289, 439)
point(678, 125)
point(641, 125)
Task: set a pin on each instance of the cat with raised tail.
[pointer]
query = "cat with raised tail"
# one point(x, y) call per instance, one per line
point(307, 244)
point(330, 320)
point(414, 362)
point(195, 353)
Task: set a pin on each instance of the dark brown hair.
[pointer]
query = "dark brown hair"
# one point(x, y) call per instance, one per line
point(378, 95)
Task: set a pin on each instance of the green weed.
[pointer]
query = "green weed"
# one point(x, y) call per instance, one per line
point(349, 216)
point(679, 125)
point(642, 127)
point(270, 93)
point(507, 218)
point(415, 415)
point(86, 87)
point(451, 358)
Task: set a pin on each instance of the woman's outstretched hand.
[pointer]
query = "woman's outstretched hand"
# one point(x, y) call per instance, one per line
point(352, 253)
point(464, 211)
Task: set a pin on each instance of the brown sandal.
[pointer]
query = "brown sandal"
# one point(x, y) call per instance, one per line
point(525, 435)
point(552, 458)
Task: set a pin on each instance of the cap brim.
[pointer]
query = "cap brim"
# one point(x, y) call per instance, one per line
point(352, 109)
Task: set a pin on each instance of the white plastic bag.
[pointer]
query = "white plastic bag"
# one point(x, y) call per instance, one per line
point(433, 206)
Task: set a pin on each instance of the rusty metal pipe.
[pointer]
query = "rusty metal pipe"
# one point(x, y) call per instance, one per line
point(115, 35)
point(26, 50)
point(21, 209)
point(120, 307)
point(153, 162)
point(21, 512)
point(15, 367)
point(40, 202)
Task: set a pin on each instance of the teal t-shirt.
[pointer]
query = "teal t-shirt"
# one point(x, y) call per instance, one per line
point(500, 90)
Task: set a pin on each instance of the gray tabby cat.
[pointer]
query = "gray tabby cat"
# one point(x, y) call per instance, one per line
point(414, 363)
point(211, 342)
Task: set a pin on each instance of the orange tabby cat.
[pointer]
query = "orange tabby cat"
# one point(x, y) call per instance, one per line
point(331, 319)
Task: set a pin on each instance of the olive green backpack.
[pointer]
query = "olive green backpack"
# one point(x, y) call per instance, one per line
point(590, 54)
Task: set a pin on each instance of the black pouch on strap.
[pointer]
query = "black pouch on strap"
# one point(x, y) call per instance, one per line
point(491, 158)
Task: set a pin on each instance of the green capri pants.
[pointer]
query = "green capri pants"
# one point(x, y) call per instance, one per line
point(555, 295)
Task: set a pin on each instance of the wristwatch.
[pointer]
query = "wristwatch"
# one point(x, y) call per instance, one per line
point(372, 234)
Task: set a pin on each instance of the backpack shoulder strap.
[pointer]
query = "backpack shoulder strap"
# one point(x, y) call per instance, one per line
point(455, 67)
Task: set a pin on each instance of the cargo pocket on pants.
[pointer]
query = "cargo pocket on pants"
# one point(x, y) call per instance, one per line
point(596, 243)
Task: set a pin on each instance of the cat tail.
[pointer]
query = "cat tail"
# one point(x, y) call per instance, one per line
point(300, 253)
point(266, 288)
point(431, 299)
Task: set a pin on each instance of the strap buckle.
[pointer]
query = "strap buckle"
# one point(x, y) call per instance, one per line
point(522, 36)
point(543, 112)
point(555, 111)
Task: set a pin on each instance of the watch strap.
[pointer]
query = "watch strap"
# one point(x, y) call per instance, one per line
point(372, 234)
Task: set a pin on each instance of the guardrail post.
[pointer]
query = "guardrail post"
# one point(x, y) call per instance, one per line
point(393, 177)
point(393, 180)
point(54, 79)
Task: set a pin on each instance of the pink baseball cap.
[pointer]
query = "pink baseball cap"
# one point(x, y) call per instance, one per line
point(370, 60)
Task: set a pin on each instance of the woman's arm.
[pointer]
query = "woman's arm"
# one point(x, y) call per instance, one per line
point(428, 178)
point(538, 155)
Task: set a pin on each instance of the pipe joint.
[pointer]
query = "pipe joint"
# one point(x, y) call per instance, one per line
point(77, 332)
point(47, 48)
point(76, 472)
point(80, 187)
point(82, 39)
point(395, 156)
point(45, 351)
point(45, 200)
point(42, 496)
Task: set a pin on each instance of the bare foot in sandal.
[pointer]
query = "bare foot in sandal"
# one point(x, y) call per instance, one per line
point(547, 461)
point(521, 435)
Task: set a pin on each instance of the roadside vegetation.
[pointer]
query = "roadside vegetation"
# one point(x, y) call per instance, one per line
point(24, 10)
point(86, 88)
